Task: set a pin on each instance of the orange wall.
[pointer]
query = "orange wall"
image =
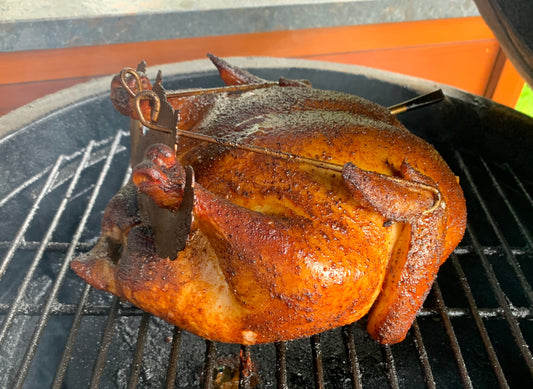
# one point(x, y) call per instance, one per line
point(460, 52)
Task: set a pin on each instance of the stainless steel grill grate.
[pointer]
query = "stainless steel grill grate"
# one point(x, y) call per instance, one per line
point(474, 330)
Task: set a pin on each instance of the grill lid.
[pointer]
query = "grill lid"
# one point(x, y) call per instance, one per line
point(510, 21)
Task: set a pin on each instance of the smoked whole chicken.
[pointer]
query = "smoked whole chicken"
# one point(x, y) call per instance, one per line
point(277, 248)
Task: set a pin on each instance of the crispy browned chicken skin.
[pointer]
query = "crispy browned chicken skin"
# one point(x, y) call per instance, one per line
point(279, 249)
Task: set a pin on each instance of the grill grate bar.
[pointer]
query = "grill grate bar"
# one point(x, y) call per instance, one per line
point(522, 312)
point(67, 352)
point(26, 184)
point(172, 369)
point(495, 363)
point(15, 305)
point(281, 365)
point(80, 311)
point(86, 246)
point(30, 352)
point(59, 309)
point(21, 292)
point(511, 259)
point(19, 237)
point(136, 364)
point(422, 353)
point(458, 355)
point(503, 302)
point(351, 354)
point(13, 193)
point(519, 184)
point(489, 250)
point(318, 367)
point(32, 347)
point(390, 366)
point(50, 246)
point(512, 211)
point(107, 336)
point(210, 364)
point(97, 156)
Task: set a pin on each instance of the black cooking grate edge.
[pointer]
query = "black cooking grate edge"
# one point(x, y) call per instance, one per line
point(474, 330)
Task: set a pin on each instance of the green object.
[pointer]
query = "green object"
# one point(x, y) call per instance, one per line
point(525, 101)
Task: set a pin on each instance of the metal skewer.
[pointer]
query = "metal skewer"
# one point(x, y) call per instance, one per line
point(309, 161)
point(417, 102)
point(263, 150)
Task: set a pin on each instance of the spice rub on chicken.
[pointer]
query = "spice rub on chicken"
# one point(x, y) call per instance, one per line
point(279, 249)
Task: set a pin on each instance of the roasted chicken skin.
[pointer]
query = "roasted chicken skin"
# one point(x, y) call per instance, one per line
point(279, 249)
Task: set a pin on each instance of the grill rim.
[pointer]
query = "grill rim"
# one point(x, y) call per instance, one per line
point(93, 89)
point(281, 348)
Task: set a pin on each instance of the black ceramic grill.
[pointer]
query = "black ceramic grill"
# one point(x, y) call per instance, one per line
point(65, 156)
